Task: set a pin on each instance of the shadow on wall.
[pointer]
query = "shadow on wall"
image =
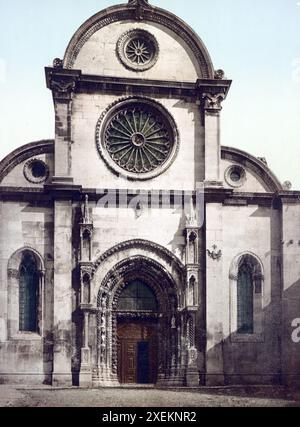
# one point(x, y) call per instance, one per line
point(274, 360)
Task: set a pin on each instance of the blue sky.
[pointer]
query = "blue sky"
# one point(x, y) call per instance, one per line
point(256, 42)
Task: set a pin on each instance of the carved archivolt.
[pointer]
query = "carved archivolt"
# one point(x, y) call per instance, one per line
point(150, 14)
point(142, 268)
point(164, 253)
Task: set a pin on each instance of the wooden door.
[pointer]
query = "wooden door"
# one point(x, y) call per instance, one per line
point(137, 353)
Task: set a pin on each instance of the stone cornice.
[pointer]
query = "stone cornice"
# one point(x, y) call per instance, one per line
point(50, 192)
point(63, 81)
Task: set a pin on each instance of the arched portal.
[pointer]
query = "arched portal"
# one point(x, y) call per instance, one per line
point(137, 334)
point(138, 325)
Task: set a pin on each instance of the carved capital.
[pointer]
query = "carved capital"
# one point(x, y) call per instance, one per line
point(63, 87)
point(13, 273)
point(213, 101)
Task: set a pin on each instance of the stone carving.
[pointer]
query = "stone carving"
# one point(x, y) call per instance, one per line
point(13, 273)
point(193, 356)
point(58, 63)
point(215, 254)
point(137, 137)
point(144, 3)
point(158, 249)
point(63, 86)
point(219, 74)
point(287, 185)
point(213, 101)
point(159, 281)
point(138, 50)
point(86, 219)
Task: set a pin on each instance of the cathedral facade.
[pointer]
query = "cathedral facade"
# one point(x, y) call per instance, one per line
point(135, 249)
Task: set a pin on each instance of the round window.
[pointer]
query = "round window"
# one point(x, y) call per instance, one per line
point(137, 50)
point(138, 138)
point(36, 171)
point(235, 176)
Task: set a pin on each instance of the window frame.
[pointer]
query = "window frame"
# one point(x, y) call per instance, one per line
point(258, 299)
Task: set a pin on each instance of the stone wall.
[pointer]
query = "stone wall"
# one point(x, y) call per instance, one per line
point(186, 170)
point(27, 357)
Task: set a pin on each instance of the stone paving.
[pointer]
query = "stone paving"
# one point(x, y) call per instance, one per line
point(132, 397)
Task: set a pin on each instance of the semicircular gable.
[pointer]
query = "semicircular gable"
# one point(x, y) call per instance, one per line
point(257, 166)
point(130, 12)
point(24, 153)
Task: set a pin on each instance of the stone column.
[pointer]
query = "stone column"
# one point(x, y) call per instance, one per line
point(62, 82)
point(212, 109)
point(85, 378)
point(216, 302)
point(62, 293)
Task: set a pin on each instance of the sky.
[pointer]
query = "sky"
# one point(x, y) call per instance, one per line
point(256, 43)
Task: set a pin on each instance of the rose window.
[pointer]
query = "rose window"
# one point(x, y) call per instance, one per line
point(137, 50)
point(139, 138)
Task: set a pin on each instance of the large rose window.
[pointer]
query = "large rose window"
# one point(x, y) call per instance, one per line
point(138, 138)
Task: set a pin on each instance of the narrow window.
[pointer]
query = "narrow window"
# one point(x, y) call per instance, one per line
point(28, 293)
point(245, 321)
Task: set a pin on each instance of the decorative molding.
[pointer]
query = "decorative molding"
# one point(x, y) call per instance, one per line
point(145, 244)
point(215, 254)
point(251, 258)
point(238, 170)
point(15, 259)
point(252, 163)
point(86, 268)
point(138, 315)
point(111, 287)
point(146, 38)
point(101, 144)
point(24, 153)
point(128, 13)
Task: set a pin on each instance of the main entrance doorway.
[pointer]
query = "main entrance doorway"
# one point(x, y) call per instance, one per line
point(137, 353)
point(137, 334)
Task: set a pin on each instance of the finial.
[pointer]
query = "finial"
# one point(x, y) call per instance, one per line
point(138, 2)
point(192, 217)
point(86, 214)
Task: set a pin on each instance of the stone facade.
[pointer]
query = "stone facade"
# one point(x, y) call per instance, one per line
point(185, 228)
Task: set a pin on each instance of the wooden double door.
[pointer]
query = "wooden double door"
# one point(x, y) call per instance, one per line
point(137, 352)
